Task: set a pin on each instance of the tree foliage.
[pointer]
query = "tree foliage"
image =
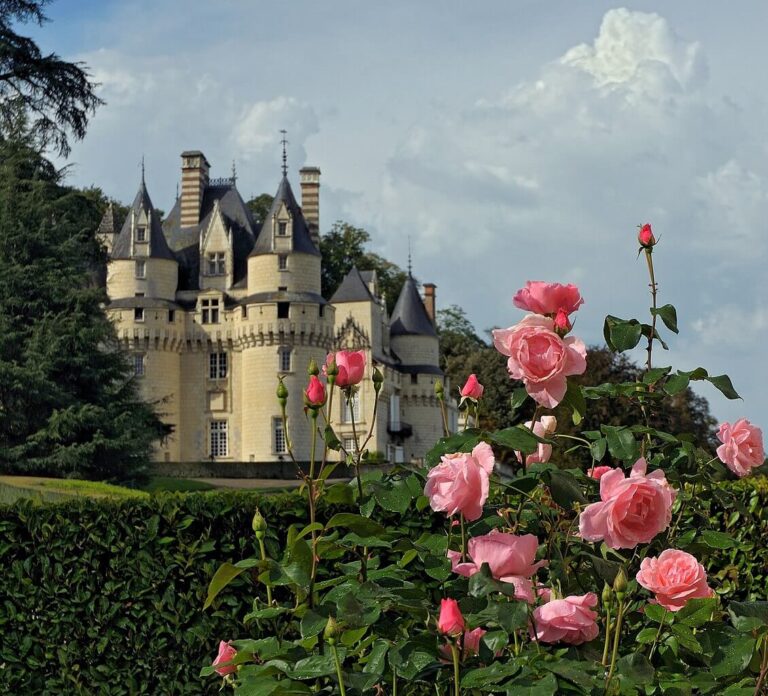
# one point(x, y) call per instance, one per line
point(57, 97)
point(259, 207)
point(68, 406)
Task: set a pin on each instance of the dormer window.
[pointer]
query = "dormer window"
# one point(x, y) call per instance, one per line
point(141, 234)
point(217, 264)
point(282, 229)
point(210, 311)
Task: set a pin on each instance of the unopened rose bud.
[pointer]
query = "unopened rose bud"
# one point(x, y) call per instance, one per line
point(378, 379)
point(607, 595)
point(620, 584)
point(439, 390)
point(314, 394)
point(313, 369)
point(259, 525)
point(282, 393)
point(562, 323)
point(645, 237)
point(450, 621)
point(472, 389)
point(332, 631)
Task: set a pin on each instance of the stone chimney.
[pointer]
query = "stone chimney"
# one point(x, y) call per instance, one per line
point(310, 200)
point(194, 179)
point(429, 300)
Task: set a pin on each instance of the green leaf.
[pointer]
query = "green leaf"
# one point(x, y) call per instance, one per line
point(357, 523)
point(621, 334)
point(311, 667)
point(621, 443)
point(724, 384)
point(646, 635)
point(483, 583)
point(657, 613)
point(519, 396)
point(312, 623)
point(516, 438)
point(668, 314)
point(597, 449)
point(676, 383)
point(733, 656)
point(331, 441)
point(394, 496)
point(575, 401)
point(492, 674)
point(459, 442)
point(718, 540)
point(226, 573)
point(686, 638)
point(696, 612)
point(635, 668)
point(655, 374)
point(565, 489)
point(747, 616)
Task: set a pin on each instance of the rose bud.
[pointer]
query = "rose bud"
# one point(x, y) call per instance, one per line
point(451, 621)
point(314, 394)
point(472, 389)
point(645, 236)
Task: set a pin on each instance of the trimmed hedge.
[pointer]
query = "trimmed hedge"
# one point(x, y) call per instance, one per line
point(106, 596)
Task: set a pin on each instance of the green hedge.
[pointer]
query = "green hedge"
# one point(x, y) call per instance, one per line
point(105, 596)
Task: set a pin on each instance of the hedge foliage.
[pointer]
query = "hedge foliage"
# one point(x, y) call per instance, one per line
point(105, 596)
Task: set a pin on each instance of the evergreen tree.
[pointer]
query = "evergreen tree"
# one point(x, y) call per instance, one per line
point(68, 405)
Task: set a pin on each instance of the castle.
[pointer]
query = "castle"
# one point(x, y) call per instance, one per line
point(213, 309)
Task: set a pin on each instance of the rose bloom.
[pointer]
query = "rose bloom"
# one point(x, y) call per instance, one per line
point(633, 509)
point(543, 428)
point(674, 577)
point(645, 236)
point(226, 654)
point(469, 644)
point(541, 358)
point(509, 557)
point(742, 448)
point(351, 365)
point(548, 298)
point(596, 472)
point(315, 392)
point(569, 620)
point(450, 621)
point(460, 482)
point(472, 389)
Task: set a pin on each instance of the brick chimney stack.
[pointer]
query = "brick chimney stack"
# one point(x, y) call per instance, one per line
point(429, 301)
point(194, 179)
point(310, 200)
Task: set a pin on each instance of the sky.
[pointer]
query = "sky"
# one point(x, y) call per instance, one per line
point(507, 139)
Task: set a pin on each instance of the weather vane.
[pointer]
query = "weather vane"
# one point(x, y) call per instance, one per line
point(409, 256)
point(285, 155)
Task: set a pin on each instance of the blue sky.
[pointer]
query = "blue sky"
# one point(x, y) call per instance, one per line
point(510, 140)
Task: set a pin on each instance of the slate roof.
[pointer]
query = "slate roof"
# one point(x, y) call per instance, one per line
point(353, 288)
point(108, 225)
point(158, 247)
point(185, 241)
point(302, 241)
point(409, 315)
point(283, 296)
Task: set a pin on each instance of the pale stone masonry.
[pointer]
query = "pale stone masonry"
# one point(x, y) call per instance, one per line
point(214, 310)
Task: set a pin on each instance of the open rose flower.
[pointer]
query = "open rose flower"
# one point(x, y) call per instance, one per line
point(460, 483)
point(543, 428)
point(450, 621)
point(742, 448)
point(597, 472)
point(674, 577)
point(509, 557)
point(632, 510)
point(541, 358)
point(548, 298)
point(315, 392)
point(226, 654)
point(351, 366)
point(472, 389)
point(570, 620)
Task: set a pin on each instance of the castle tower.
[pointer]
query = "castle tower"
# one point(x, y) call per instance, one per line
point(414, 340)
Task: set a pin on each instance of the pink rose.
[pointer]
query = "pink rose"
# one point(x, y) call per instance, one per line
point(509, 557)
point(742, 448)
point(315, 392)
point(226, 654)
point(562, 323)
point(674, 577)
point(450, 621)
point(460, 482)
point(351, 365)
point(596, 472)
point(633, 509)
point(472, 389)
point(469, 644)
point(568, 620)
point(543, 428)
point(548, 298)
point(645, 236)
point(541, 358)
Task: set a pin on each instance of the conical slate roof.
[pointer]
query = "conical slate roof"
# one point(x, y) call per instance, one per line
point(302, 241)
point(353, 289)
point(108, 225)
point(409, 315)
point(158, 247)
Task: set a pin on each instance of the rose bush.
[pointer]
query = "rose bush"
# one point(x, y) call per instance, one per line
point(532, 578)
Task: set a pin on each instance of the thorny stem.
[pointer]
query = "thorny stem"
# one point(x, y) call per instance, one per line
point(463, 541)
point(311, 493)
point(648, 363)
point(763, 670)
point(444, 414)
point(607, 642)
point(658, 634)
point(264, 558)
point(338, 670)
point(358, 453)
point(616, 640)
point(394, 682)
point(456, 674)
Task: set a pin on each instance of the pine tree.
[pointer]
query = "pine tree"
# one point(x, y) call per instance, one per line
point(68, 404)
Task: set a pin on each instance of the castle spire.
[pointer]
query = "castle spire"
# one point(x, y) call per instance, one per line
point(410, 268)
point(143, 183)
point(285, 155)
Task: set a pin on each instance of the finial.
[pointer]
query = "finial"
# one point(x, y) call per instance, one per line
point(177, 190)
point(234, 172)
point(142, 170)
point(409, 257)
point(285, 155)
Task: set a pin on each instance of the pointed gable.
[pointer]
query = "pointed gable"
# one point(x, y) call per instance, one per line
point(409, 315)
point(142, 213)
point(285, 201)
point(353, 289)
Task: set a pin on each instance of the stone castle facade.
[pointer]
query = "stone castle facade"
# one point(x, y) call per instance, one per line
point(213, 308)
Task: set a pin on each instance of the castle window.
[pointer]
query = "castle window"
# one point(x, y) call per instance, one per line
point(217, 264)
point(321, 311)
point(138, 313)
point(210, 311)
point(350, 412)
point(284, 360)
point(138, 364)
point(282, 309)
point(279, 436)
point(282, 262)
point(171, 316)
point(349, 445)
point(141, 234)
point(141, 268)
point(218, 438)
point(217, 366)
point(414, 379)
point(282, 228)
